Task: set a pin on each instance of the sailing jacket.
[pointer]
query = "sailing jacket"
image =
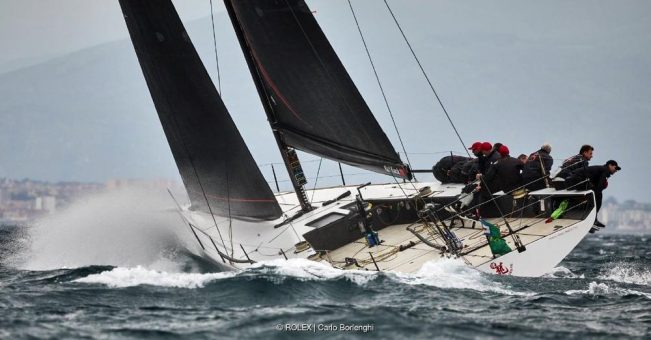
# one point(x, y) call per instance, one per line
point(538, 165)
point(533, 169)
point(597, 176)
point(470, 169)
point(446, 163)
point(486, 161)
point(505, 174)
point(572, 164)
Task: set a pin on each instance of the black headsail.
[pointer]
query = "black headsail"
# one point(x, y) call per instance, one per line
point(315, 105)
point(217, 168)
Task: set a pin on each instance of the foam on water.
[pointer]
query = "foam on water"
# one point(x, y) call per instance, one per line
point(447, 274)
point(602, 289)
point(129, 277)
point(594, 288)
point(301, 269)
point(454, 273)
point(628, 274)
point(250, 303)
point(563, 272)
point(304, 269)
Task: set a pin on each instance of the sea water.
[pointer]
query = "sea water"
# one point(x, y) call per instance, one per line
point(71, 277)
point(603, 289)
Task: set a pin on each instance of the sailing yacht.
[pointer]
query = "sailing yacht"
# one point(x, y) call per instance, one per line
point(313, 105)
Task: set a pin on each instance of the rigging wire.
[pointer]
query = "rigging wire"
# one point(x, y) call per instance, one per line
point(203, 191)
point(377, 77)
point(427, 78)
point(230, 218)
point(214, 41)
point(316, 180)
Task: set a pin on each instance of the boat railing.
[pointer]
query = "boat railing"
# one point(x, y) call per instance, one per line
point(277, 178)
point(533, 220)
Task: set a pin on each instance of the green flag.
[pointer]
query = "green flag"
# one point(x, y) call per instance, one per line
point(558, 212)
point(495, 241)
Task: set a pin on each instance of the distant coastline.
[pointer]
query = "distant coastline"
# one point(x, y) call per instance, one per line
point(25, 200)
point(626, 217)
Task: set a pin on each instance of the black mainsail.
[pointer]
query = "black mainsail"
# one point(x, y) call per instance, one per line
point(217, 168)
point(315, 105)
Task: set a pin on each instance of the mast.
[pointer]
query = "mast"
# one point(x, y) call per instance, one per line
point(289, 155)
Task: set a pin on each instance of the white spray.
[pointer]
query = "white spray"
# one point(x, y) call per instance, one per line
point(127, 227)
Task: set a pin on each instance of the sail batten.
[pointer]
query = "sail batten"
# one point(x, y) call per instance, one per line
point(218, 171)
point(315, 105)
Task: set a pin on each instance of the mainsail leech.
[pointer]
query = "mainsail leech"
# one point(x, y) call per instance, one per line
point(217, 168)
point(315, 104)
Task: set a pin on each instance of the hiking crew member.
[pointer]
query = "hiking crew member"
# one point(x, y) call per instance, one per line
point(490, 155)
point(443, 170)
point(455, 169)
point(576, 162)
point(537, 167)
point(505, 174)
point(470, 168)
point(597, 180)
point(476, 148)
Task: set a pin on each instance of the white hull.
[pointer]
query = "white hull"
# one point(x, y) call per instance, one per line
point(542, 255)
point(547, 244)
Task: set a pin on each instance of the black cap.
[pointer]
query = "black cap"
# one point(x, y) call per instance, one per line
point(612, 162)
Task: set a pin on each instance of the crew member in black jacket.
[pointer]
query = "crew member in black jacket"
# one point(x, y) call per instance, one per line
point(505, 174)
point(490, 155)
point(596, 178)
point(537, 167)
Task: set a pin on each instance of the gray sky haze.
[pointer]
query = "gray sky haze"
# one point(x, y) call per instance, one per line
point(37, 30)
point(76, 107)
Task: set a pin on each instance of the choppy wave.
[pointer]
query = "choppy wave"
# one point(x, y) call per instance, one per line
point(563, 272)
point(454, 274)
point(160, 297)
point(628, 274)
point(304, 269)
point(445, 274)
point(129, 277)
point(600, 288)
point(594, 288)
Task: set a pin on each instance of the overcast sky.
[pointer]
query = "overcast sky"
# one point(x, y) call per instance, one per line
point(35, 30)
point(520, 72)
